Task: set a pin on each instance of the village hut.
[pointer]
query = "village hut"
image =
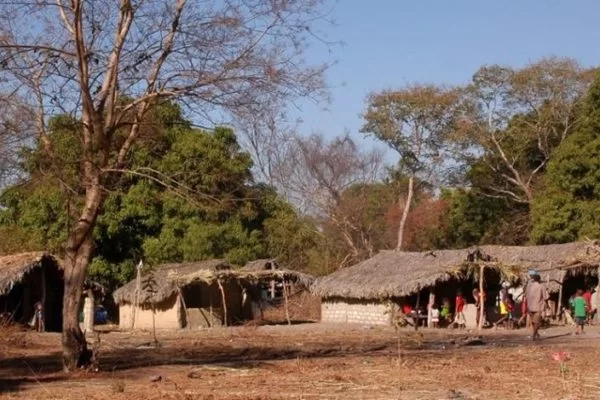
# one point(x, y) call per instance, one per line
point(371, 291)
point(188, 295)
point(278, 294)
point(28, 278)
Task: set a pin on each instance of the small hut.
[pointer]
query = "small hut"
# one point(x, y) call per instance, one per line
point(371, 292)
point(188, 295)
point(26, 279)
point(279, 294)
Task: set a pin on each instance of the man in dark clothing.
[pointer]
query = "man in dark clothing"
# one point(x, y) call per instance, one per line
point(536, 296)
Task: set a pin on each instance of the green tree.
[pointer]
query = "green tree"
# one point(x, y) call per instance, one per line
point(568, 207)
point(213, 209)
point(415, 122)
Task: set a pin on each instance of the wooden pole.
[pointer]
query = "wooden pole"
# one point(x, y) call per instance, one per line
point(43, 316)
point(88, 312)
point(136, 294)
point(185, 310)
point(285, 298)
point(418, 320)
point(481, 298)
point(429, 305)
point(224, 301)
point(560, 295)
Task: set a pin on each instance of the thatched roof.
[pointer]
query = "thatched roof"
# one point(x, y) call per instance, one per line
point(552, 261)
point(169, 278)
point(15, 266)
point(267, 269)
point(264, 264)
point(392, 273)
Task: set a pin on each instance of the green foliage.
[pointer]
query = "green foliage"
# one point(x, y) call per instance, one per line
point(191, 198)
point(568, 208)
point(475, 219)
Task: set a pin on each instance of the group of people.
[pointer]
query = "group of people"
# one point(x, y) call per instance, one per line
point(534, 303)
point(445, 317)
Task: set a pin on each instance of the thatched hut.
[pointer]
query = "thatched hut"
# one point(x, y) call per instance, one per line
point(188, 295)
point(28, 278)
point(278, 294)
point(367, 292)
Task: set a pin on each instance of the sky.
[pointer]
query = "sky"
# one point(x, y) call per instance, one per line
point(390, 43)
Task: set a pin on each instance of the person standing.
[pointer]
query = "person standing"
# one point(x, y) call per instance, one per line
point(580, 311)
point(459, 318)
point(537, 297)
point(587, 296)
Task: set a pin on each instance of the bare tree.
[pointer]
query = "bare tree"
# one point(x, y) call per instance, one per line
point(315, 173)
point(16, 131)
point(415, 122)
point(107, 62)
point(267, 135)
point(508, 109)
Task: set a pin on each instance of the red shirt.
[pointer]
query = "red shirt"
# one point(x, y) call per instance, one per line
point(588, 299)
point(524, 306)
point(460, 304)
point(406, 309)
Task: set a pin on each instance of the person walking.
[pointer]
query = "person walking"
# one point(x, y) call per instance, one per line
point(537, 297)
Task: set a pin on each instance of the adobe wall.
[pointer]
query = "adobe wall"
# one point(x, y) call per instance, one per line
point(167, 315)
point(355, 312)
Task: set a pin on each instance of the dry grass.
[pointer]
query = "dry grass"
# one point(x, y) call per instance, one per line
point(306, 362)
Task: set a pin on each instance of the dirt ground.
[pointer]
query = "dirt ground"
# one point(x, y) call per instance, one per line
point(309, 361)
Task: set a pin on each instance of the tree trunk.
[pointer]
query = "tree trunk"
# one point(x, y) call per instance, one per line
point(78, 254)
point(75, 351)
point(405, 214)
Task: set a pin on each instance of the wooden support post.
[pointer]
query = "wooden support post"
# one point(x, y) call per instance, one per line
point(136, 294)
point(285, 298)
point(272, 289)
point(88, 312)
point(42, 321)
point(481, 298)
point(429, 306)
point(418, 320)
point(224, 301)
point(185, 310)
point(560, 296)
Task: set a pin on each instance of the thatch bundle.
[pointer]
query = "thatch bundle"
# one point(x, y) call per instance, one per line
point(15, 266)
point(170, 278)
point(396, 274)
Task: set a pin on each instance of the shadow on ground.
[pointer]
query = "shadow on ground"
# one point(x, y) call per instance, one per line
point(39, 369)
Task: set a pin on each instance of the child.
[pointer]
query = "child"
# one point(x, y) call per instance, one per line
point(504, 313)
point(459, 310)
point(445, 313)
point(580, 311)
point(435, 316)
point(510, 305)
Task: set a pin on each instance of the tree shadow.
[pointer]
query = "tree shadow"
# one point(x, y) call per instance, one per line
point(23, 371)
